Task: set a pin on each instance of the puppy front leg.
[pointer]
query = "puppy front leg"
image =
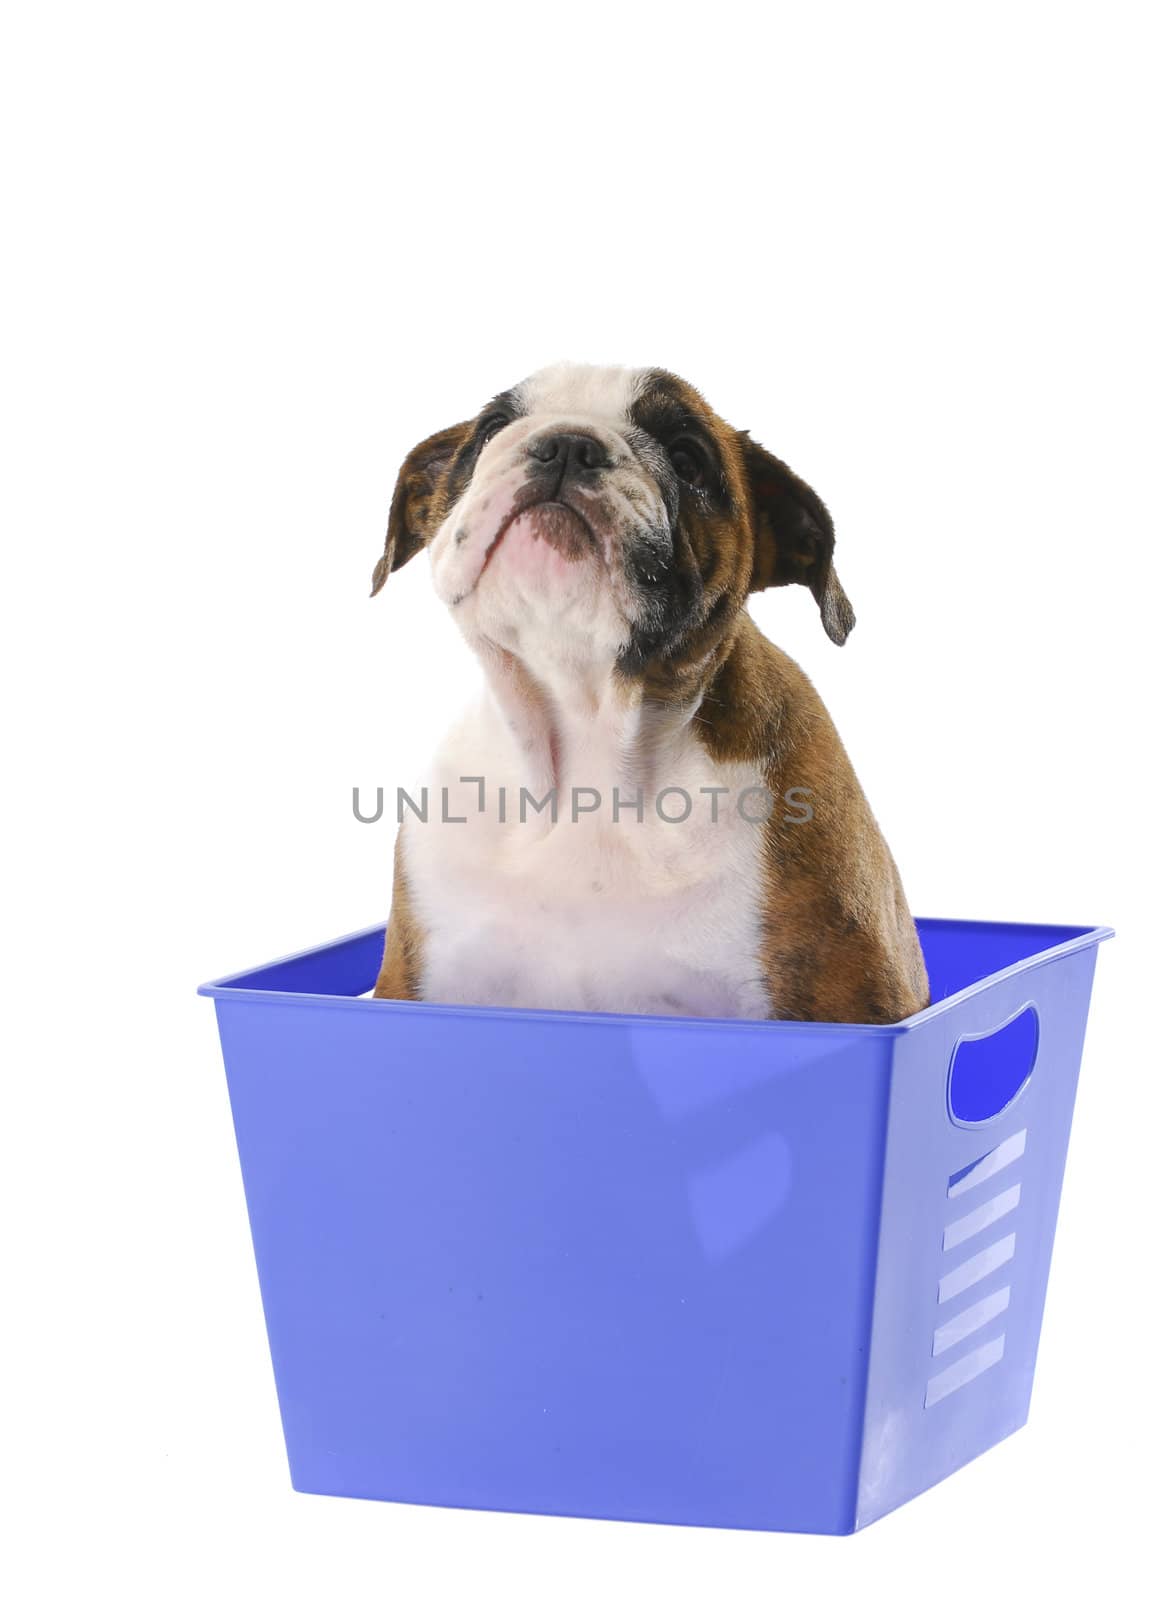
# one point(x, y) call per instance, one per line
point(402, 962)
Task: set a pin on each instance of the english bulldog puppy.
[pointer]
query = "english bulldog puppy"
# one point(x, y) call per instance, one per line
point(648, 809)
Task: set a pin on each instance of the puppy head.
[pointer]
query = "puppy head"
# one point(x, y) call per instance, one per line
point(610, 515)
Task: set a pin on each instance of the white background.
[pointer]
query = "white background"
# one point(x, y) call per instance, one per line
point(253, 254)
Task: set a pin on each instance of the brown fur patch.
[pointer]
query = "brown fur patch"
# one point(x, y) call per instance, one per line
point(839, 940)
point(401, 975)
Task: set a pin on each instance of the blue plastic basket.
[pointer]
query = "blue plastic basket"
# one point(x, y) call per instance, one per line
point(762, 1275)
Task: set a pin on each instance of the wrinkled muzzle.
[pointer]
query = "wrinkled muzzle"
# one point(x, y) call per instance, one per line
point(560, 518)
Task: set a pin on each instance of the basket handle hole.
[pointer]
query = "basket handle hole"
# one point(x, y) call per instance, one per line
point(987, 1073)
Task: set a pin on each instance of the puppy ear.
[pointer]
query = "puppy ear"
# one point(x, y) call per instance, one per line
point(414, 499)
point(794, 538)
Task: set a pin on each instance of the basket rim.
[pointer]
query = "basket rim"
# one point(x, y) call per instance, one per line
point(1075, 938)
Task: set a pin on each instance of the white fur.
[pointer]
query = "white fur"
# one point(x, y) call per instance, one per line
point(595, 913)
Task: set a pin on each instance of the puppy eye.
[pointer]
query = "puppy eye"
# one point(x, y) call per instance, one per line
point(492, 425)
point(688, 463)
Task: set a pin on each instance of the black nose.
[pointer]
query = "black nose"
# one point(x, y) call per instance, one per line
point(570, 451)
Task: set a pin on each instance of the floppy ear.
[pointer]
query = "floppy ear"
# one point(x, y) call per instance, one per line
point(794, 538)
point(415, 497)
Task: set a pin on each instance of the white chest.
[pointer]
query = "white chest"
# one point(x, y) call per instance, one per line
point(605, 906)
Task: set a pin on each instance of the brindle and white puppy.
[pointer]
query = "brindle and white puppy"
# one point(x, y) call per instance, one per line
point(595, 533)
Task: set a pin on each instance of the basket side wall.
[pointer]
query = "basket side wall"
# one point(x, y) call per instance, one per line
point(967, 1229)
point(598, 1268)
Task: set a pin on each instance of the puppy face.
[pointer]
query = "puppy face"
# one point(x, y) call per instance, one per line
point(608, 517)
